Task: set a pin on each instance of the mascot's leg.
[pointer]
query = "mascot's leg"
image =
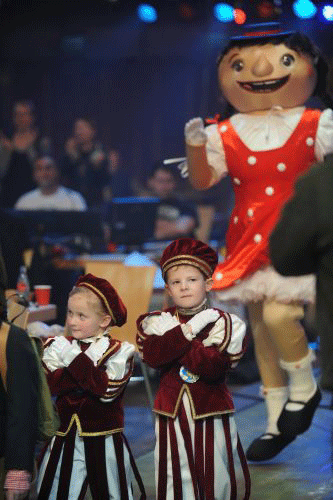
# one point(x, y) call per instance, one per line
point(274, 390)
point(283, 323)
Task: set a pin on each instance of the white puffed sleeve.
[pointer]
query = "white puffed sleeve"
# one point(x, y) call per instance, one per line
point(238, 334)
point(117, 365)
point(324, 139)
point(52, 353)
point(119, 368)
point(215, 152)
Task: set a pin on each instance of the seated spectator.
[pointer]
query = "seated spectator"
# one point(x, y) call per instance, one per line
point(49, 194)
point(85, 166)
point(174, 218)
point(18, 153)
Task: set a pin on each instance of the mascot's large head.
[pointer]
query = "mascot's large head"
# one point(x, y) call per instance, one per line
point(262, 69)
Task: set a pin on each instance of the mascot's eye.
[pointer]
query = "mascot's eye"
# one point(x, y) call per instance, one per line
point(287, 60)
point(237, 65)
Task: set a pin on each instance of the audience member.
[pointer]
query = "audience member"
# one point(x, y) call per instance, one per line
point(49, 194)
point(174, 218)
point(302, 243)
point(18, 406)
point(18, 152)
point(85, 166)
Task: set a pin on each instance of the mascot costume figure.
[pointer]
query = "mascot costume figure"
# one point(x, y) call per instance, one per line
point(269, 141)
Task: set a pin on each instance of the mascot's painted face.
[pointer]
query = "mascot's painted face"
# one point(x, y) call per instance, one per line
point(258, 77)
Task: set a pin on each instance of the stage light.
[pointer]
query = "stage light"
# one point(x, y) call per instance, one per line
point(147, 13)
point(265, 9)
point(223, 12)
point(240, 16)
point(305, 9)
point(328, 12)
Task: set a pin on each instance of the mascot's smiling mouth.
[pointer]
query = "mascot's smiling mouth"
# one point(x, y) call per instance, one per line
point(264, 85)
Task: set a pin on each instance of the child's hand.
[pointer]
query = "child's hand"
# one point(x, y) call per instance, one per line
point(202, 319)
point(216, 334)
point(96, 350)
point(59, 344)
point(159, 324)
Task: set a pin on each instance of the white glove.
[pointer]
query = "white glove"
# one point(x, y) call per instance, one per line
point(59, 344)
point(96, 350)
point(69, 352)
point(159, 324)
point(202, 319)
point(183, 168)
point(195, 134)
point(216, 334)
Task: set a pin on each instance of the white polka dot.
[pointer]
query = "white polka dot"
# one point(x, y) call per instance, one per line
point(236, 181)
point(257, 238)
point(250, 212)
point(309, 141)
point(219, 276)
point(281, 167)
point(237, 281)
point(223, 128)
point(235, 219)
point(252, 160)
point(269, 190)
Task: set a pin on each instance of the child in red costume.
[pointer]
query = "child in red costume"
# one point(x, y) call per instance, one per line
point(88, 372)
point(193, 346)
point(272, 139)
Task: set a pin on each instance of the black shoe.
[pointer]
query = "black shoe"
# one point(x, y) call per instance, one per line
point(292, 423)
point(264, 449)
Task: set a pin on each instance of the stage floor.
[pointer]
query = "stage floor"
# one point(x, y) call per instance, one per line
point(302, 471)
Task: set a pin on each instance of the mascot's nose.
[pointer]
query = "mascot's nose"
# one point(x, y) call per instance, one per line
point(262, 67)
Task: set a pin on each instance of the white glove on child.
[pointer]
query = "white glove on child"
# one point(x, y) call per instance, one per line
point(59, 344)
point(69, 352)
point(216, 334)
point(96, 350)
point(195, 134)
point(159, 324)
point(202, 319)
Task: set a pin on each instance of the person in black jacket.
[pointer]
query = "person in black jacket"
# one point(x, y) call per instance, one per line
point(302, 243)
point(18, 406)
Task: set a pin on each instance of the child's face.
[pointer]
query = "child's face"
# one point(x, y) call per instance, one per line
point(187, 286)
point(258, 77)
point(83, 320)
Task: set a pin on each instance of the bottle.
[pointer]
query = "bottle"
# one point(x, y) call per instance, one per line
point(23, 286)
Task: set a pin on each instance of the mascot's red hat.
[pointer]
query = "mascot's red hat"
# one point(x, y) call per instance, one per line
point(108, 295)
point(191, 252)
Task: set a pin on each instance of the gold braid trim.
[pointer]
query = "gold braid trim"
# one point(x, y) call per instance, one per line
point(228, 330)
point(186, 389)
point(192, 260)
point(108, 352)
point(75, 419)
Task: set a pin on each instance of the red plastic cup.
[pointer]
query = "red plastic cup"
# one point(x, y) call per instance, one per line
point(42, 294)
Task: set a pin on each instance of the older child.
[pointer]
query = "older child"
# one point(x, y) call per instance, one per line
point(88, 372)
point(194, 346)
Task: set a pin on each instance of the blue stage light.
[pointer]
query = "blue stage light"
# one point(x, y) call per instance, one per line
point(147, 13)
point(223, 12)
point(305, 9)
point(328, 12)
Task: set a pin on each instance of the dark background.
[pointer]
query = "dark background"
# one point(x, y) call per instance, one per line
point(140, 82)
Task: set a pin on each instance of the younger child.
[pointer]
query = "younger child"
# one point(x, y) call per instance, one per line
point(194, 346)
point(88, 372)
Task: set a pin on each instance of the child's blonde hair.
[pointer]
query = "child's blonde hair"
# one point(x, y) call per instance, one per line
point(92, 299)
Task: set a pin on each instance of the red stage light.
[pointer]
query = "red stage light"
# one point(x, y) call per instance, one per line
point(240, 16)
